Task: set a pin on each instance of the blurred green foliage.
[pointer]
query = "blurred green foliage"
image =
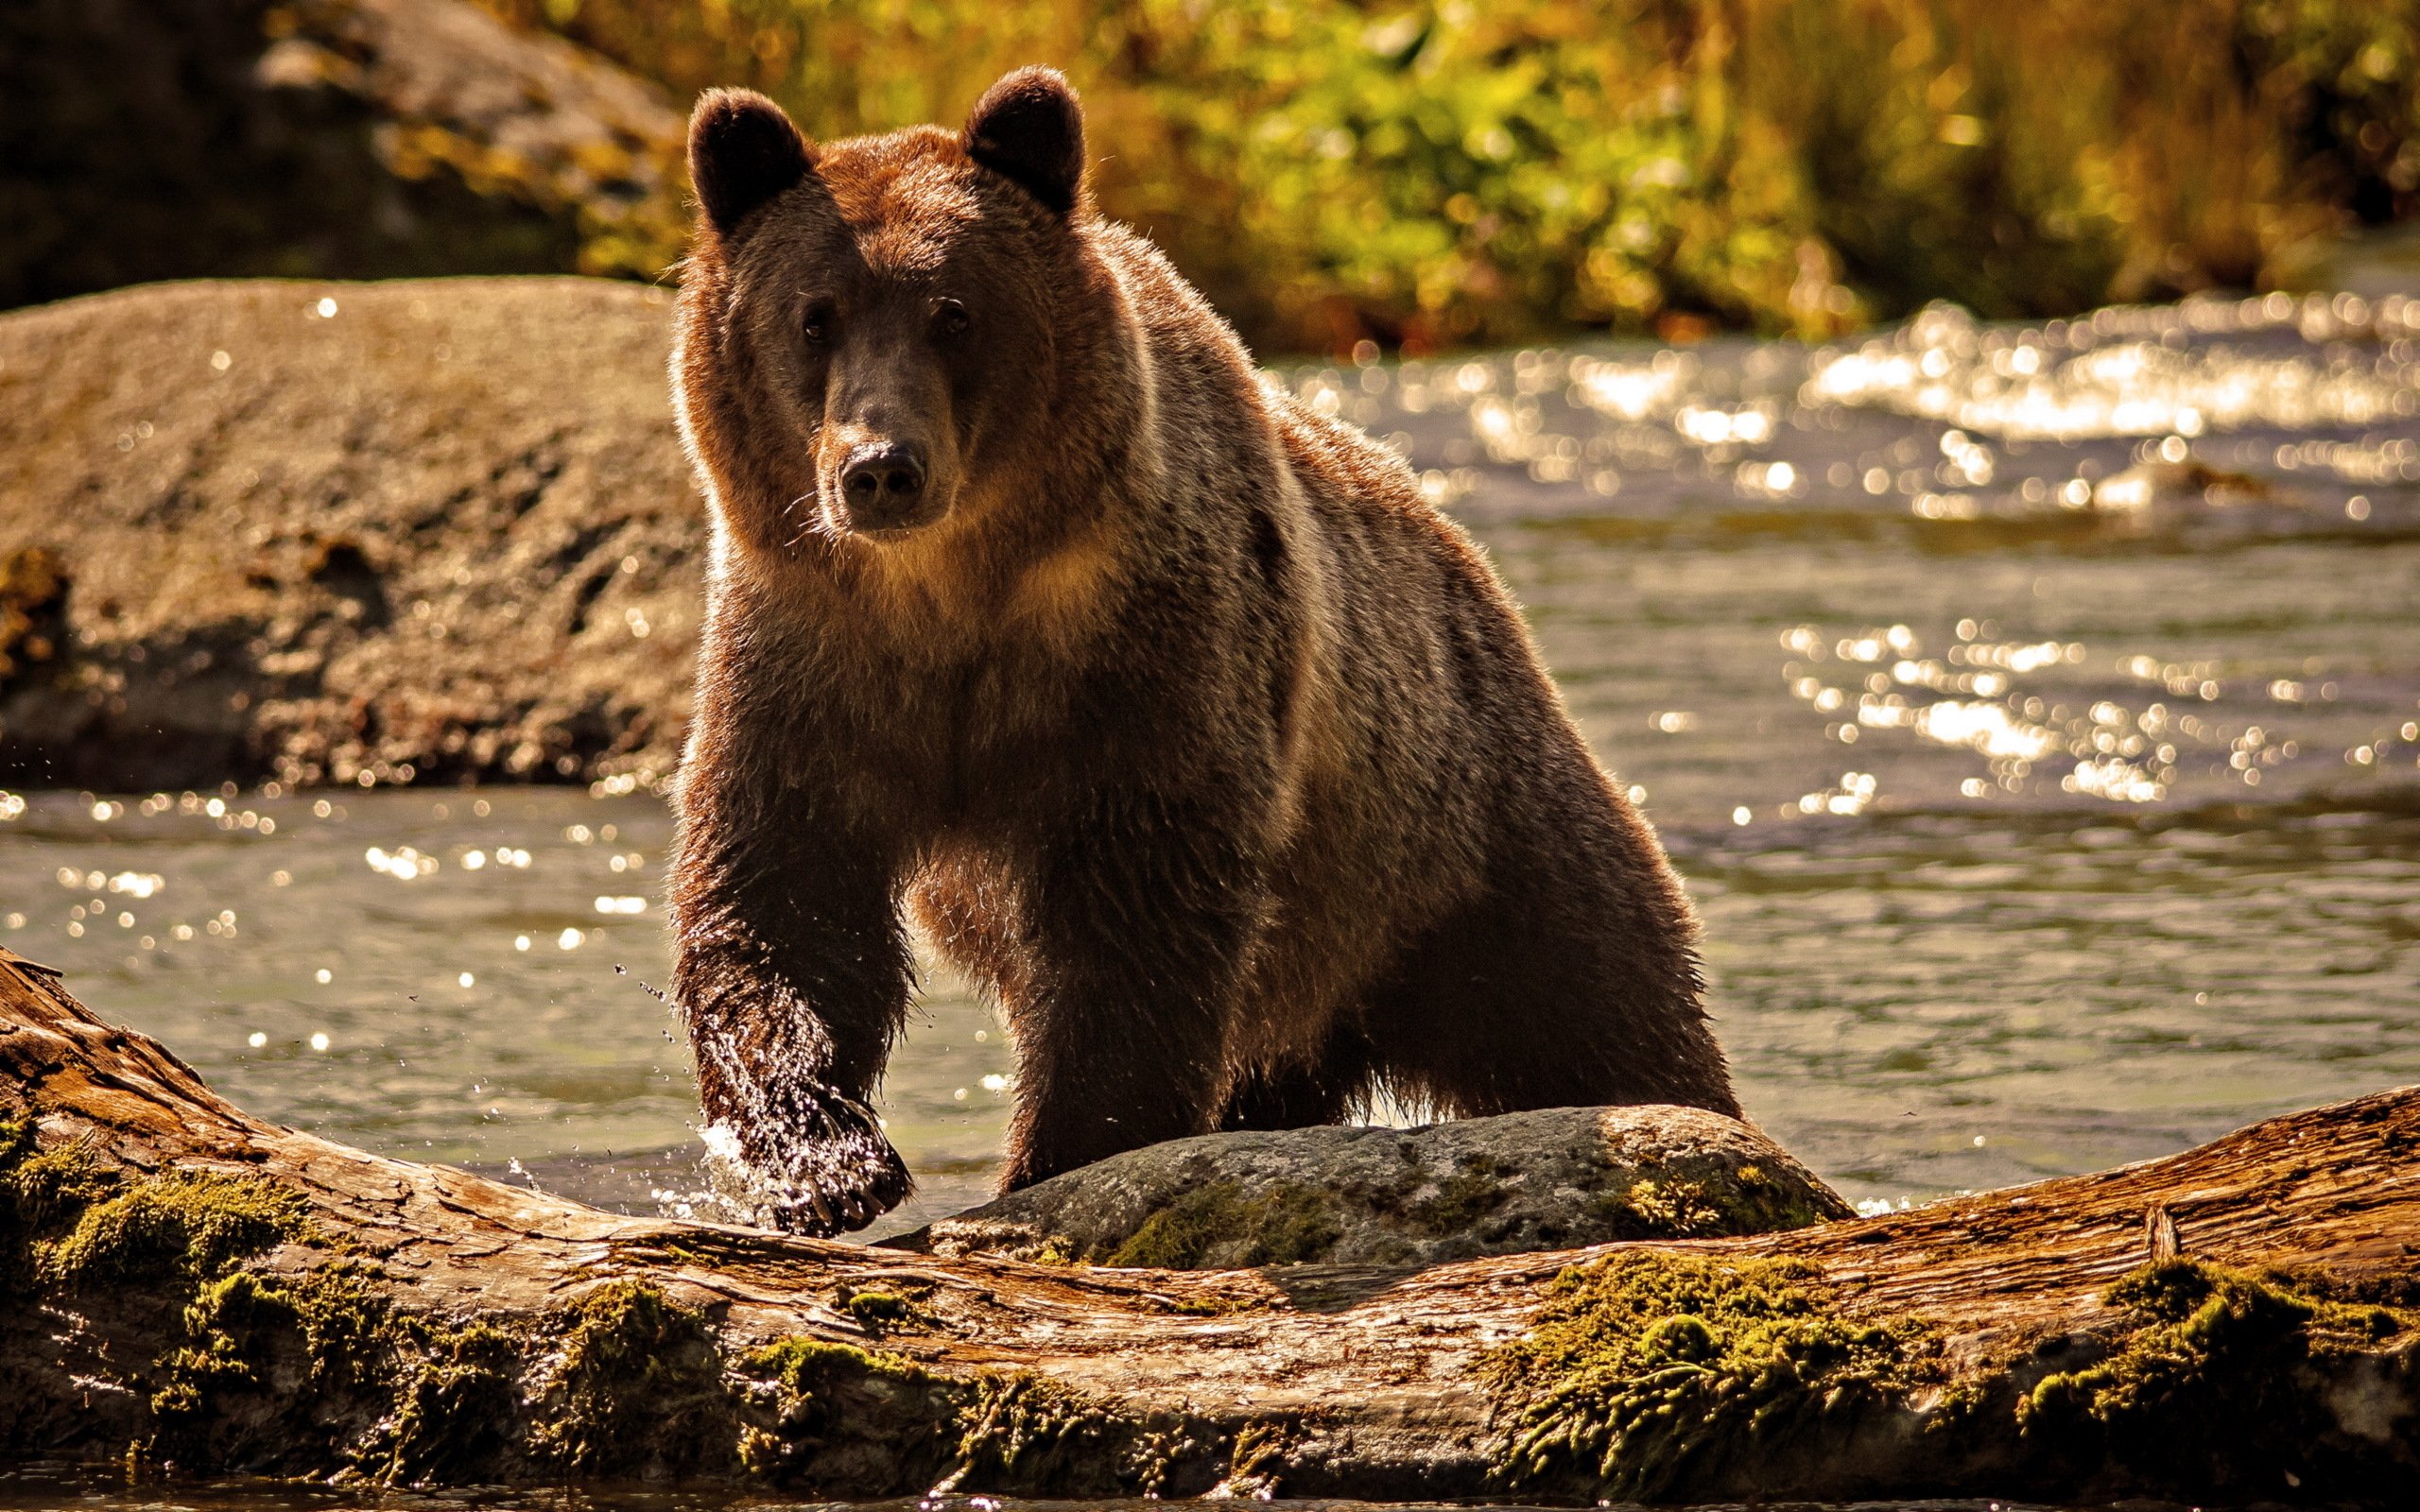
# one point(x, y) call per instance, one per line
point(1433, 174)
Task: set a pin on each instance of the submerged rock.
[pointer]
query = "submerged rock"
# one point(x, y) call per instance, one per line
point(1551, 1179)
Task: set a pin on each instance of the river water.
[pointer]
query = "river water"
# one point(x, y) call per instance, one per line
point(2033, 710)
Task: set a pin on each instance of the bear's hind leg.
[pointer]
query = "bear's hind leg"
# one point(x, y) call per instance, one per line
point(1549, 992)
point(1138, 922)
point(1301, 1097)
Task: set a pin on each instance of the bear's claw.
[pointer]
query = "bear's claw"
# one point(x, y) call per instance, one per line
point(838, 1203)
point(821, 1164)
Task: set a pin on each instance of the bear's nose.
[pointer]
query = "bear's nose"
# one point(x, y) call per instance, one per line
point(884, 480)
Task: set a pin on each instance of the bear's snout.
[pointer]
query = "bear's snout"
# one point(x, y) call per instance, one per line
point(882, 485)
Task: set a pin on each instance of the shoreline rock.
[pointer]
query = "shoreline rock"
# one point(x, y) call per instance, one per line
point(1556, 1178)
point(431, 530)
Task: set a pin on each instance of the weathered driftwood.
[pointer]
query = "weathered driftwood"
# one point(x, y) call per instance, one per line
point(192, 1287)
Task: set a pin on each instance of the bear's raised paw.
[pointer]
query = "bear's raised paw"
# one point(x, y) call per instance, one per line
point(828, 1172)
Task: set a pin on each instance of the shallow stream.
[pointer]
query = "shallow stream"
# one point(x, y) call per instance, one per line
point(2034, 713)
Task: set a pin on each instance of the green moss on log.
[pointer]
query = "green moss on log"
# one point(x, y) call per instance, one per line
point(636, 1387)
point(184, 1224)
point(248, 1364)
point(1027, 1434)
point(2219, 1360)
point(1289, 1224)
point(69, 1219)
point(53, 1183)
point(876, 1310)
point(846, 1422)
point(455, 1405)
point(234, 1322)
point(1641, 1365)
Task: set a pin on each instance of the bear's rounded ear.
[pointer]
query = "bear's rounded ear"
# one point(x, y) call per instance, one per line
point(1030, 127)
point(742, 152)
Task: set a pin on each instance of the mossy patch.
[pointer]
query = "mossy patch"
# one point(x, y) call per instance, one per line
point(1673, 1209)
point(264, 1359)
point(863, 1423)
point(2221, 1359)
point(636, 1387)
point(803, 1367)
point(341, 1323)
point(1288, 1224)
point(53, 1183)
point(184, 1224)
point(877, 1310)
point(258, 1365)
point(455, 1406)
point(41, 1191)
point(847, 1422)
point(1028, 1434)
point(1462, 1200)
point(1641, 1366)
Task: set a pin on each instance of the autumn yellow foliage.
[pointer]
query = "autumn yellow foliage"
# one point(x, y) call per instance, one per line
point(1441, 174)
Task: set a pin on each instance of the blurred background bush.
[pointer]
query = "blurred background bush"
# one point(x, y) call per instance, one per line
point(1423, 177)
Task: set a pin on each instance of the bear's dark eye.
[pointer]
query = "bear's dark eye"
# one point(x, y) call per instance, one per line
point(950, 319)
point(816, 325)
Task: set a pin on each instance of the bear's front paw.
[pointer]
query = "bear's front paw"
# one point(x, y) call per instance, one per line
point(818, 1165)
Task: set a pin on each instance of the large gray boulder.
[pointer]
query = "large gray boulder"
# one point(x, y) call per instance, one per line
point(1552, 1180)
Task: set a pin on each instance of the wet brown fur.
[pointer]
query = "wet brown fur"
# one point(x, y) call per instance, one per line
point(1220, 758)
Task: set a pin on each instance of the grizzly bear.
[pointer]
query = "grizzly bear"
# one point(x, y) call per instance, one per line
point(1168, 706)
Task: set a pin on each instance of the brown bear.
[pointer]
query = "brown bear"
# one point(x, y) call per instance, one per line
point(1172, 712)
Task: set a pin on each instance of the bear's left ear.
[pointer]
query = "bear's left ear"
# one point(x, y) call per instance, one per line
point(1030, 127)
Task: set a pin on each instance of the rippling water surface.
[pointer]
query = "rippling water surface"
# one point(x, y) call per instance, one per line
point(2034, 712)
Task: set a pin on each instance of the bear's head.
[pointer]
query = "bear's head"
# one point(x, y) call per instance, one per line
point(875, 332)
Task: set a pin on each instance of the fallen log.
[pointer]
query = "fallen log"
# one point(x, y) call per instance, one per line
point(196, 1290)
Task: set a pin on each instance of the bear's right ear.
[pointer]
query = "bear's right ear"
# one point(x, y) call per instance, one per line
point(742, 152)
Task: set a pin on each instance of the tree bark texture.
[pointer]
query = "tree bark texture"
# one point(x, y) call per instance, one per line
point(194, 1289)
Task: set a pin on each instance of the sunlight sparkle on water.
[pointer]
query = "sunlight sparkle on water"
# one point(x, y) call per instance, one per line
point(2123, 377)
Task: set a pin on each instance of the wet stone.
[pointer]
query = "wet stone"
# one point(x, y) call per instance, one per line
point(1550, 1179)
